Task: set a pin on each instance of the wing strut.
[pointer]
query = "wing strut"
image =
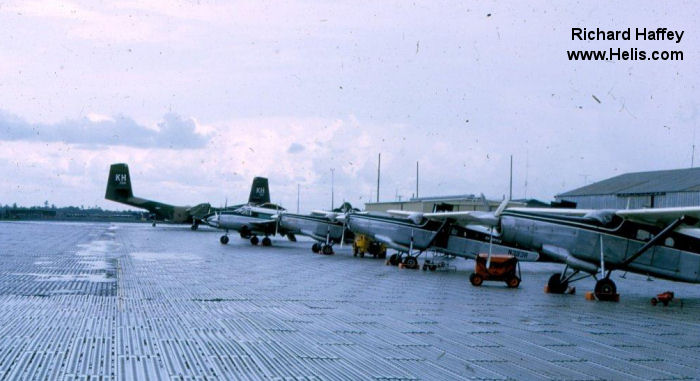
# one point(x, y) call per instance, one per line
point(662, 235)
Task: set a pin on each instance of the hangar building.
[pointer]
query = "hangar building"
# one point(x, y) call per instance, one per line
point(654, 189)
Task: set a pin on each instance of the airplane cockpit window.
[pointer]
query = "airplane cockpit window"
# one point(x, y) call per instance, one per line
point(603, 217)
point(643, 235)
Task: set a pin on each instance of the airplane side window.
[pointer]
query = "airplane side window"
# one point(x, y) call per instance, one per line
point(669, 242)
point(643, 235)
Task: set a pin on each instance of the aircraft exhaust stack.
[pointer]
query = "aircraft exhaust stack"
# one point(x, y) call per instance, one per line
point(119, 183)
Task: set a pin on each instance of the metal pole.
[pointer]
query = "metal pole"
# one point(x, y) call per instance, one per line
point(416, 179)
point(510, 197)
point(379, 166)
point(332, 188)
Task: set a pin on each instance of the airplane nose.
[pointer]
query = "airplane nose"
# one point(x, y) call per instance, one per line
point(212, 220)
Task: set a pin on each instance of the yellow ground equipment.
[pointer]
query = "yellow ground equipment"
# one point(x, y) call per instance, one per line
point(500, 267)
point(364, 244)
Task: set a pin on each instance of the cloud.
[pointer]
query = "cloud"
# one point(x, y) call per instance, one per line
point(295, 148)
point(173, 131)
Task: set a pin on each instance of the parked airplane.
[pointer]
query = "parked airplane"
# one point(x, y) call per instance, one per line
point(119, 190)
point(411, 232)
point(323, 226)
point(662, 242)
point(257, 217)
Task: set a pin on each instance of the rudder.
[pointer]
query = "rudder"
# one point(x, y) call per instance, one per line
point(119, 183)
point(259, 192)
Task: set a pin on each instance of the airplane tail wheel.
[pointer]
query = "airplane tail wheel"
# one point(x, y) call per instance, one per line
point(394, 259)
point(605, 289)
point(266, 241)
point(556, 285)
point(476, 279)
point(327, 249)
point(316, 248)
point(223, 239)
point(513, 282)
point(254, 240)
point(410, 262)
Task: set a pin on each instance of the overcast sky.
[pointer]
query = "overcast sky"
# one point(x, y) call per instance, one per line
point(198, 97)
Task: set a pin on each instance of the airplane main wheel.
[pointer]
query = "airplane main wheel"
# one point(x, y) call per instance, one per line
point(476, 279)
point(410, 262)
point(513, 282)
point(153, 224)
point(254, 240)
point(605, 289)
point(556, 285)
point(316, 248)
point(266, 241)
point(223, 239)
point(327, 249)
point(394, 259)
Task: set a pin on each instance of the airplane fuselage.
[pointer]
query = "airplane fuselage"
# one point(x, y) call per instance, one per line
point(397, 233)
point(247, 220)
point(677, 257)
point(315, 227)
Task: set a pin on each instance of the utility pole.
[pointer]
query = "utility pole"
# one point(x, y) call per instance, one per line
point(416, 179)
point(332, 188)
point(379, 166)
point(510, 197)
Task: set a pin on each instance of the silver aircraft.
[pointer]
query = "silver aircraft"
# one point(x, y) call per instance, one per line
point(325, 227)
point(662, 242)
point(411, 234)
point(257, 217)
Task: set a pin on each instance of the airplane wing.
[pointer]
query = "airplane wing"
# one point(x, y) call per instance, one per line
point(661, 216)
point(559, 211)
point(467, 217)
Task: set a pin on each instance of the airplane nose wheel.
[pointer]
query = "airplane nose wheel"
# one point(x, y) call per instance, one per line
point(556, 285)
point(605, 289)
point(223, 239)
point(266, 241)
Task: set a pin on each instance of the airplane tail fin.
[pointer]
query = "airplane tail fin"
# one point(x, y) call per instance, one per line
point(119, 183)
point(259, 192)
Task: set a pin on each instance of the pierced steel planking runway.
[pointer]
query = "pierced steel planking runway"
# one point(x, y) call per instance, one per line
point(130, 301)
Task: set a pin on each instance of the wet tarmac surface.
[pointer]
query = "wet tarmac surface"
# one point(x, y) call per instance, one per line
point(129, 301)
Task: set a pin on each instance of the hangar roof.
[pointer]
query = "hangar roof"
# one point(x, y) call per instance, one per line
point(674, 180)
